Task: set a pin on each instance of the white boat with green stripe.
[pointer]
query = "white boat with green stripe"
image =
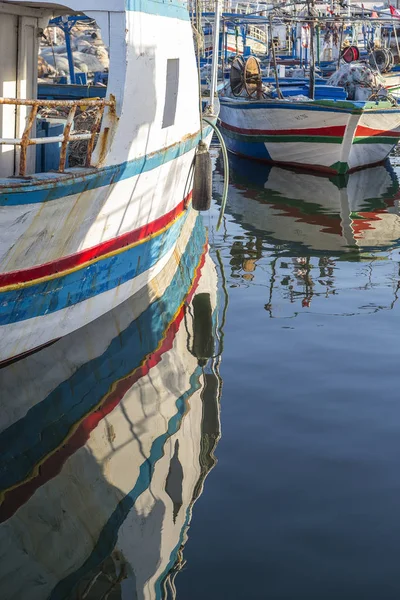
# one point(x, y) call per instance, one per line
point(333, 136)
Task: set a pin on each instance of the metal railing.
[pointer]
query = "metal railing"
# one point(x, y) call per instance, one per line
point(257, 33)
point(25, 141)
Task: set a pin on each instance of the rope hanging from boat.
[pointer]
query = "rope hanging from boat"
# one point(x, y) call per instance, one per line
point(52, 49)
point(197, 28)
point(278, 90)
point(226, 170)
point(397, 41)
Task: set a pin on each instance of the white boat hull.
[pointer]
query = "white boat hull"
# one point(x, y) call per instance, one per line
point(333, 137)
point(234, 45)
point(75, 245)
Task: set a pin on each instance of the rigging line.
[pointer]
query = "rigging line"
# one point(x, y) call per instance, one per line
point(199, 37)
point(54, 55)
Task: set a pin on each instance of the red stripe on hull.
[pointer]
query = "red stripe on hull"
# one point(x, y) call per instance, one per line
point(80, 258)
point(229, 48)
point(335, 131)
point(363, 131)
point(52, 466)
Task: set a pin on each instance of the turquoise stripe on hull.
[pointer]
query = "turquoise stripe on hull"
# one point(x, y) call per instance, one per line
point(102, 276)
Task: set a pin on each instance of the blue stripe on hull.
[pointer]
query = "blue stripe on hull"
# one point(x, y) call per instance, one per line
point(25, 443)
point(104, 275)
point(256, 150)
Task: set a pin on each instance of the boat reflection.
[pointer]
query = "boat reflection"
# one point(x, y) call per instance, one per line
point(304, 236)
point(106, 439)
point(315, 213)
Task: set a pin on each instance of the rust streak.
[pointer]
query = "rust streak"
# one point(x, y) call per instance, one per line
point(94, 132)
point(40, 103)
point(103, 144)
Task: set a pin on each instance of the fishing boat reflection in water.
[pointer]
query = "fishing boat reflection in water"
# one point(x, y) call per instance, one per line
point(309, 235)
point(106, 439)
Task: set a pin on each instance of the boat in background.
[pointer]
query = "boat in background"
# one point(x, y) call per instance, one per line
point(78, 241)
point(235, 40)
point(107, 437)
point(328, 135)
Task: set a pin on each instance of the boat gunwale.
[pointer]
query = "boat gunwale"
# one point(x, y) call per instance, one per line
point(346, 106)
point(82, 175)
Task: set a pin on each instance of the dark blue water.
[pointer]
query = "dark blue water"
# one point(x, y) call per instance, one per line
point(304, 500)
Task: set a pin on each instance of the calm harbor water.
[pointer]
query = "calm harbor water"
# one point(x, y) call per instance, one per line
point(237, 437)
point(304, 500)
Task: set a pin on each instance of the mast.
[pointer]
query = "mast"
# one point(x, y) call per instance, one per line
point(215, 45)
point(311, 12)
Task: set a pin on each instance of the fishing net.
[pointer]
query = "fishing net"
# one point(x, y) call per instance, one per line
point(83, 123)
point(356, 74)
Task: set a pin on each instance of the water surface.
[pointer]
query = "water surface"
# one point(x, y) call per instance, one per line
point(232, 431)
point(304, 501)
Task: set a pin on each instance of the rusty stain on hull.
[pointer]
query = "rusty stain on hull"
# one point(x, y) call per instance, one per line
point(94, 132)
point(103, 142)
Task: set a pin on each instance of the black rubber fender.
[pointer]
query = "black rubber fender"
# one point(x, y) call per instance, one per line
point(202, 180)
point(203, 339)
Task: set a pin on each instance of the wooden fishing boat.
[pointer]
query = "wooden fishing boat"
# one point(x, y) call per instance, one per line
point(78, 241)
point(322, 134)
point(107, 437)
point(233, 42)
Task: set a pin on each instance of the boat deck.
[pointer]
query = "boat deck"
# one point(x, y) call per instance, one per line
point(6, 182)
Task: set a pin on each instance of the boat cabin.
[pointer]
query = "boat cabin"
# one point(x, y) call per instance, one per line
point(39, 116)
